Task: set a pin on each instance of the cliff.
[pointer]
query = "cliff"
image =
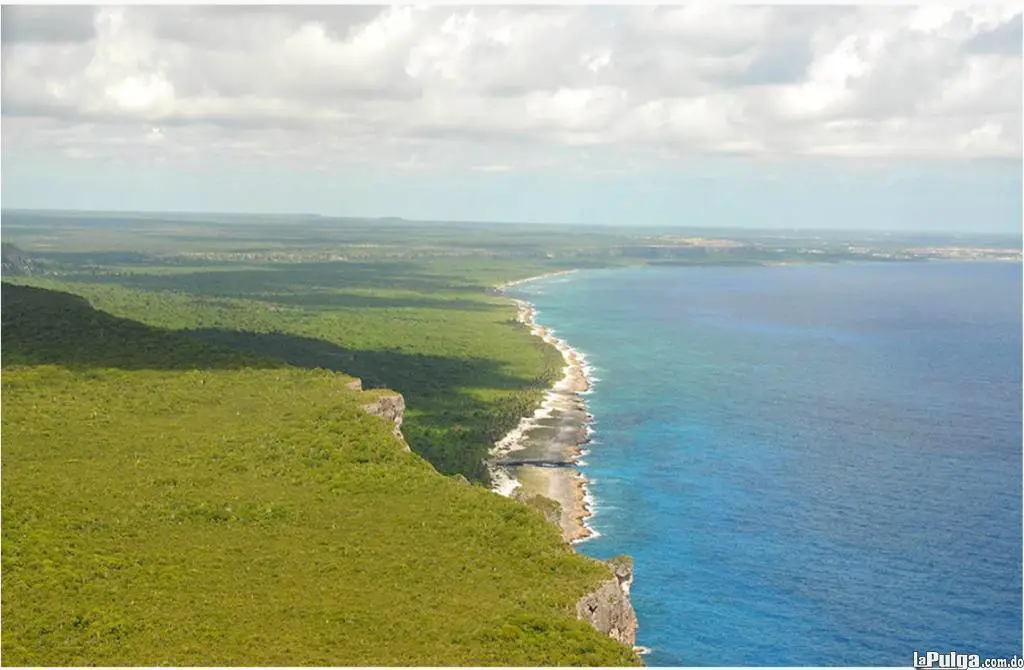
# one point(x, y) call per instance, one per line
point(389, 406)
point(608, 609)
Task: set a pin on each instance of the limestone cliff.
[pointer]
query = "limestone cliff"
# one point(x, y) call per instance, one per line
point(392, 408)
point(608, 609)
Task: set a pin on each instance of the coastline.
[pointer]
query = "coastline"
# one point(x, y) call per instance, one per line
point(550, 441)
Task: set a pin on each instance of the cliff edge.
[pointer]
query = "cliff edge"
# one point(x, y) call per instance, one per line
point(608, 609)
point(390, 406)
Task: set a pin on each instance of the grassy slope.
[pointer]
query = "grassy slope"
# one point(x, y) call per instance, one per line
point(248, 513)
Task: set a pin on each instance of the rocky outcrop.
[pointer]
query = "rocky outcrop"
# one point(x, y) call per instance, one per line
point(355, 385)
point(14, 262)
point(392, 408)
point(608, 608)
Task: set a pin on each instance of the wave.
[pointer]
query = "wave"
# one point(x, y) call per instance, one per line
point(577, 380)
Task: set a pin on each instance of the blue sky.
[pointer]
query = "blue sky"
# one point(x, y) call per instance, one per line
point(842, 117)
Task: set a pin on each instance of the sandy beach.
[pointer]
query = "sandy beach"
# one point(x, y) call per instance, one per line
point(540, 455)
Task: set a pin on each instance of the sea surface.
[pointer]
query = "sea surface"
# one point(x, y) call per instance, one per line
point(810, 465)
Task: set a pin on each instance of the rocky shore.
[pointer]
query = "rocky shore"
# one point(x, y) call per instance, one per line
point(539, 456)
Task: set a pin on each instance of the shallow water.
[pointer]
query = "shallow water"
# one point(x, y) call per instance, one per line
point(811, 465)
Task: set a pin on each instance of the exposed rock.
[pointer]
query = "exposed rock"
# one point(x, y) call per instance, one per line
point(392, 408)
point(14, 262)
point(608, 608)
point(355, 385)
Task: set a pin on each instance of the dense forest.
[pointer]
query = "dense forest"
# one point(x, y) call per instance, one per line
point(467, 371)
point(168, 501)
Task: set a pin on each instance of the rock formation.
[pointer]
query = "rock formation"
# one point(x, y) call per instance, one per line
point(14, 262)
point(392, 408)
point(608, 608)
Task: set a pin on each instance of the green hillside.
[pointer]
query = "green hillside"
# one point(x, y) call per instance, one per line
point(437, 337)
point(170, 502)
point(49, 327)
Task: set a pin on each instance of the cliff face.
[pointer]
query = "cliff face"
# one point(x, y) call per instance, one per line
point(13, 261)
point(608, 608)
point(392, 408)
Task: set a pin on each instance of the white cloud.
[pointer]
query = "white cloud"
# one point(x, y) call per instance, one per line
point(484, 88)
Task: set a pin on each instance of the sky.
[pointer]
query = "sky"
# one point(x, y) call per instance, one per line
point(872, 116)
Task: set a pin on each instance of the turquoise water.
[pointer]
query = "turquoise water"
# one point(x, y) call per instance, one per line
point(811, 465)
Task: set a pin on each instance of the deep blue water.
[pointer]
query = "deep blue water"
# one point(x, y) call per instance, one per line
point(811, 465)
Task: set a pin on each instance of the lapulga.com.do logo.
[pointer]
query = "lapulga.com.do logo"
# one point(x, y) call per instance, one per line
point(952, 660)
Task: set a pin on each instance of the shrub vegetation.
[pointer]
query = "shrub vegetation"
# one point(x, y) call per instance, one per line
point(169, 501)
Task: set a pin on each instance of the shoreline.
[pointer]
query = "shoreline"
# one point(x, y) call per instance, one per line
point(563, 416)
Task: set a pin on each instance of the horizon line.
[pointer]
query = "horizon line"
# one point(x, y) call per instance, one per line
point(394, 218)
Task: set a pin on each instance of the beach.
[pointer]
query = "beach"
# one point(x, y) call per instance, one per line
point(540, 455)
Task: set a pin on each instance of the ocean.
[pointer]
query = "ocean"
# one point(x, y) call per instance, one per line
point(810, 465)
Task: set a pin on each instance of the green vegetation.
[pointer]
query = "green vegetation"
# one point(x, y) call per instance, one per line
point(466, 372)
point(43, 327)
point(171, 502)
point(187, 479)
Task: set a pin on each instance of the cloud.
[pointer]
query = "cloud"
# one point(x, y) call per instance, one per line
point(515, 87)
point(38, 23)
point(1004, 38)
